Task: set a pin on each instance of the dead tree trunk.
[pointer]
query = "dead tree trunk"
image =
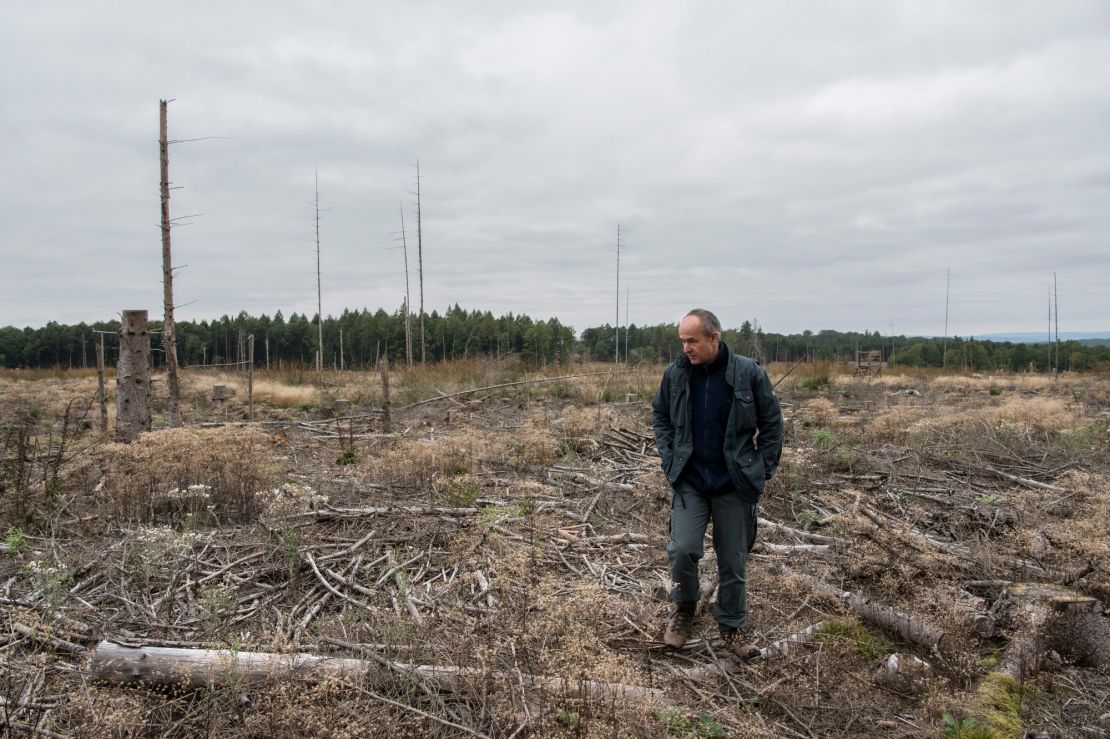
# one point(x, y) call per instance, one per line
point(408, 295)
point(101, 393)
point(319, 293)
point(173, 413)
point(199, 668)
point(420, 261)
point(250, 378)
point(617, 320)
point(387, 420)
point(133, 377)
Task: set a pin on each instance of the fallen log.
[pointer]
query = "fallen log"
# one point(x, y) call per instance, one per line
point(790, 548)
point(1026, 482)
point(206, 668)
point(908, 626)
point(329, 513)
point(809, 536)
point(786, 645)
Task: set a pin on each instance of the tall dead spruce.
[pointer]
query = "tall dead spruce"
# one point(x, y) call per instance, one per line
point(173, 414)
point(133, 377)
point(420, 262)
point(319, 293)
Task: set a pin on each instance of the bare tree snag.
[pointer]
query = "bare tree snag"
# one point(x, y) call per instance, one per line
point(133, 377)
point(173, 413)
point(420, 261)
point(250, 378)
point(319, 293)
point(387, 419)
point(101, 393)
point(408, 295)
point(199, 668)
point(617, 320)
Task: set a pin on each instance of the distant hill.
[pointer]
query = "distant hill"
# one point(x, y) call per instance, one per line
point(1093, 338)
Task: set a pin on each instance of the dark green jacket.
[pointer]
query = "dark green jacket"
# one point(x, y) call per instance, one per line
point(753, 437)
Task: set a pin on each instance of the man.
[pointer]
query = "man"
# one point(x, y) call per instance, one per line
point(718, 428)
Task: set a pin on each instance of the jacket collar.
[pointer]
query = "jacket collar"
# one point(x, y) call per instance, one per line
point(723, 353)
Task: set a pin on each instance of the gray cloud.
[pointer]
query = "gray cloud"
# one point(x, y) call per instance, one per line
point(809, 165)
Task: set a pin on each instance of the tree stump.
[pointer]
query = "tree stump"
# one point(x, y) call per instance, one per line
point(221, 393)
point(133, 377)
point(1045, 617)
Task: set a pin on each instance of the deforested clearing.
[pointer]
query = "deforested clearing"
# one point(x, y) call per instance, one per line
point(933, 559)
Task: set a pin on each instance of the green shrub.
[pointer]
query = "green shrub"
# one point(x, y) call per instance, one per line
point(15, 541)
point(823, 438)
point(463, 493)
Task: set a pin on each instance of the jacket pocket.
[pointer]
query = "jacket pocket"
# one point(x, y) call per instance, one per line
point(750, 468)
point(744, 406)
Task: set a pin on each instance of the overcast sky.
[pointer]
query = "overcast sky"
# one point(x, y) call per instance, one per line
point(809, 165)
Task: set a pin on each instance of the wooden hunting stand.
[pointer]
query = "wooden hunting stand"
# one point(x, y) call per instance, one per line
point(869, 361)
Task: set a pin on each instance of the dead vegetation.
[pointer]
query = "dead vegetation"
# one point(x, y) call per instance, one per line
point(494, 566)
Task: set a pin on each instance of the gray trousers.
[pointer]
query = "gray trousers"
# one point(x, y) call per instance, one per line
point(734, 523)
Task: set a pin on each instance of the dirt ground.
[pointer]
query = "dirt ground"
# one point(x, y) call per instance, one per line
point(496, 558)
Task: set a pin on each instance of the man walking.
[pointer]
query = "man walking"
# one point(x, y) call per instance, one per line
point(718, 428)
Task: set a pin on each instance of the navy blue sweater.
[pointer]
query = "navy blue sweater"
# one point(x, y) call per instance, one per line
point(710, 404)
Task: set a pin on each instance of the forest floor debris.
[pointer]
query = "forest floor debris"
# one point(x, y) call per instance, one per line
point(498, 558)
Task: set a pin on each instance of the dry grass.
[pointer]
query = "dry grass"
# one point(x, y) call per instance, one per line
point(1015, 416)
point(819, 412)
point(48, 397)
point(170, 475)
point(272, 392)
point(420, 463)
point(895, 424)
point(1085, 535)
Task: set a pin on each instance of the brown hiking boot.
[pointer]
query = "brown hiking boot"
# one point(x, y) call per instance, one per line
point(679, 626)
point(738, 644)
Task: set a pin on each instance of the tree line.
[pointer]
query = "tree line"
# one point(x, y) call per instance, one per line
point(353, 340)
point(360, 339)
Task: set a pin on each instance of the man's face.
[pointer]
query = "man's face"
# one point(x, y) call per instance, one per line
point(699, 347)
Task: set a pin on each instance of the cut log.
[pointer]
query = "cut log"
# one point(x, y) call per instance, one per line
point(205, 668)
